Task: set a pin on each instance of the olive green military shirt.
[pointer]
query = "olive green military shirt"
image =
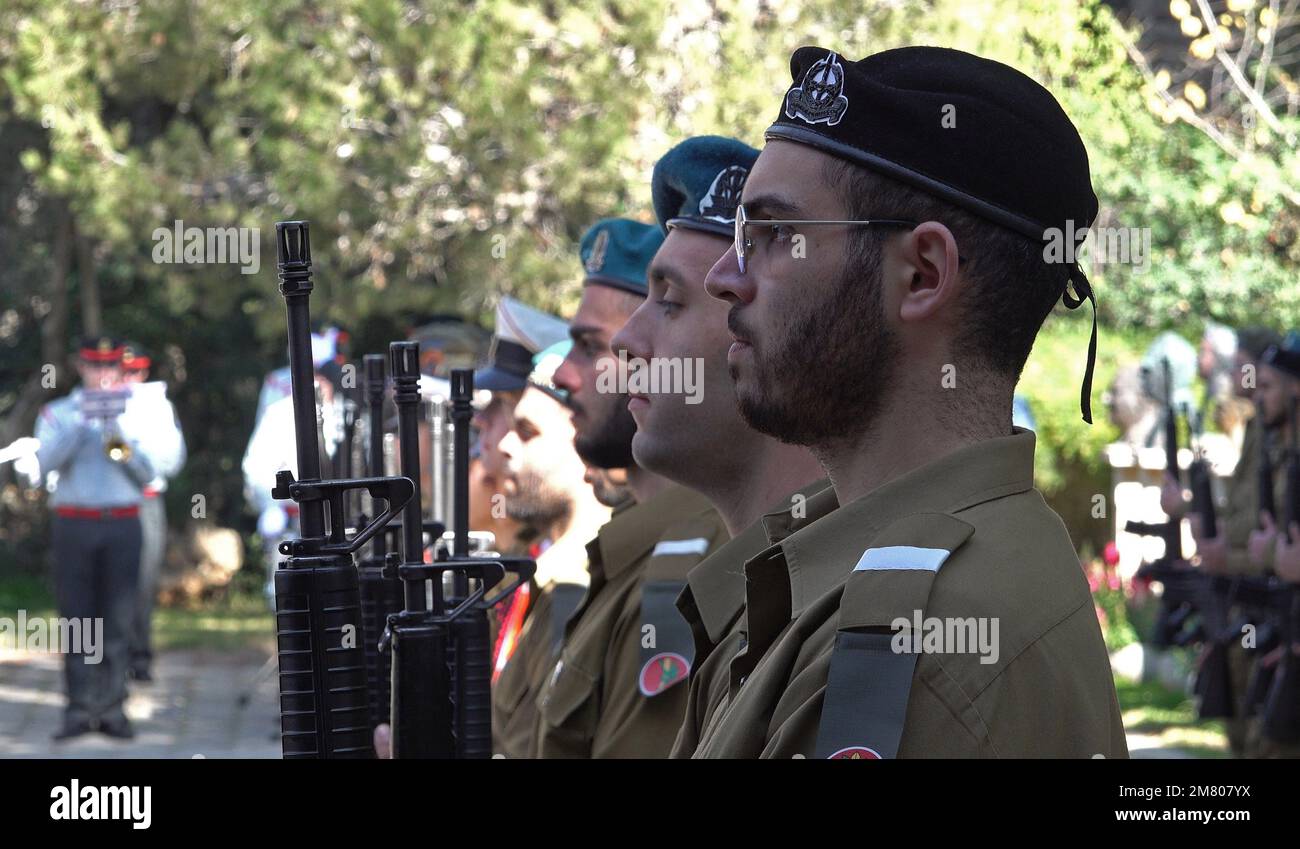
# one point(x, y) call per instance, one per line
point(1241, 510)
point(713, 603)
point(514, 694)
point(1241, 513)
point(618, 690)
point(996, 554)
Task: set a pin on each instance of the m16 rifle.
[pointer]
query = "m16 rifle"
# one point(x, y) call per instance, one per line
point(441, 703)
point(381, 591)
point(1176, 623)
point(1198, 476)
point(323, 687)
point(1213, 685)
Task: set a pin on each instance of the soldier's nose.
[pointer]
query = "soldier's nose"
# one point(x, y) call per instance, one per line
point(509, 445)
point(628, 340)
point(566, 377)
point(725, 282)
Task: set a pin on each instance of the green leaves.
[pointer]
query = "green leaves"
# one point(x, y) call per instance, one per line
point(448, 151)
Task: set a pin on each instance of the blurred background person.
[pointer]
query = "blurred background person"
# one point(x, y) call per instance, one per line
point(103, 458)
point(156, 417)
point(273, 448)
point(1238, 516)
point(522, 332)
point(1275, 545)
point(548, 488)
point(327, 345)
point(1222, 406)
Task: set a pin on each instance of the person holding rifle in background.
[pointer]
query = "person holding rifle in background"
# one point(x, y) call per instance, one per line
point(1226, 552)
point(1276, 543)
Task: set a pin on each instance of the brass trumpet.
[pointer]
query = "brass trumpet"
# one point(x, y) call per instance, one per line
point(116, 448)
point(105, 405)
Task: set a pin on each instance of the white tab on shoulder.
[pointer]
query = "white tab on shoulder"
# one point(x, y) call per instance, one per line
point(695, 545)
point(902, 557)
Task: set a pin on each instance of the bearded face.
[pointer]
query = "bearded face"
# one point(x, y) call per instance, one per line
point(826, 363)
point(606, 440)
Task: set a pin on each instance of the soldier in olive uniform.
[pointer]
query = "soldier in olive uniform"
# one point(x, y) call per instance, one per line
point(618, 689)
point(1240, 514)
point(701, 441)
point(896, 253)
point(1275, 545)
point(1227, 552)
point(714, 604)
point(537, 449)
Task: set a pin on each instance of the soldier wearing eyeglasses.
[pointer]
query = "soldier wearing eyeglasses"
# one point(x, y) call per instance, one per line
point(886, 285)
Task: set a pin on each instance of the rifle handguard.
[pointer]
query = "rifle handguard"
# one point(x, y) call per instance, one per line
point(395, 492)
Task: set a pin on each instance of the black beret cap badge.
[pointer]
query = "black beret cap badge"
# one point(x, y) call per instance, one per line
point(819, 98)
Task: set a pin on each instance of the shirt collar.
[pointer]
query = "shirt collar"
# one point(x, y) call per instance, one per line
point(631, 533)
point(819, 499)
point(820, 556)
point(716, 587)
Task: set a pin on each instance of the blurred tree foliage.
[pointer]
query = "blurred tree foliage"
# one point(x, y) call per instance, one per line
point(445, 152)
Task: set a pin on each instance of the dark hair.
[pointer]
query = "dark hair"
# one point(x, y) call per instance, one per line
point(1254, 341)
point(1013, 288)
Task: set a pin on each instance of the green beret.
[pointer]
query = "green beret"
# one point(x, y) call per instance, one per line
point(616, 251)
point(697, 184)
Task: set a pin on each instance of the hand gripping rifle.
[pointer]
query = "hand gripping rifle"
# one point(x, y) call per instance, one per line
point(323, 692)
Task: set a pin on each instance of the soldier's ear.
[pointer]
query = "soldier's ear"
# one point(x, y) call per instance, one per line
point(928, 255)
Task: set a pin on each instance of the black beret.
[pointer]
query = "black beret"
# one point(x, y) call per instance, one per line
point(974, 132)
point(1285, 357)
point(1255, 340)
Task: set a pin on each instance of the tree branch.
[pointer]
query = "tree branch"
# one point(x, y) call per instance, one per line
point(1243, 85)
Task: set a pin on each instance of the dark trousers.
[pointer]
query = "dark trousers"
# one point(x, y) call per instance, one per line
point(96, 567)
point(153, 525)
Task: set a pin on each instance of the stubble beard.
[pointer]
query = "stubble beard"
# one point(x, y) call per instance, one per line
point(822, 376)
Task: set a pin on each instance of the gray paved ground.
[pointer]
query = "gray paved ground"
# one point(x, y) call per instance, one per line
point(191, 709)
point(1147, 746)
